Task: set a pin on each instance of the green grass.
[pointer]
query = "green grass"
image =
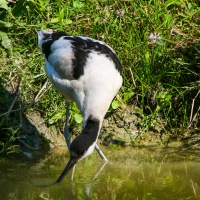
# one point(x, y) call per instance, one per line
point(160, 78)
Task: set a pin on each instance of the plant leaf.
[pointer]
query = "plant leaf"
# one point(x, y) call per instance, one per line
point(115, 104)
point(128, 95)
point(5, 24)
point(5, 41)
point(4, 4)
point(56, 117)
point(67, 21)
point(54, 20)
point(78, 118)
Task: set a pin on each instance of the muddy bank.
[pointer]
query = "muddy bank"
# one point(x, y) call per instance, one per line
point(123, 127)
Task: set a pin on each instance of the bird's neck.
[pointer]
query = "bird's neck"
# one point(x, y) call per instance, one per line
point(91, 128)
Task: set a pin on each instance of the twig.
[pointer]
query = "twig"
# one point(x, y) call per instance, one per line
point(132, 77)
point(39, 94)
point(193, 106)
point(191, 113)
point(194, 117)
point(37, 97)
point(15, 99)
point(10, 75)
point(24, 143)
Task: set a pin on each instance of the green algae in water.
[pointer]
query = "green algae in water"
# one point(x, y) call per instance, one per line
point(132, 173)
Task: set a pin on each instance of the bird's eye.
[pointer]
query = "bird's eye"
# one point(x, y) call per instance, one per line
point(73, 154)
point(77, 155)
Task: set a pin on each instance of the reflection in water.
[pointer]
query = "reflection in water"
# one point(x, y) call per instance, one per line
point(132, 173)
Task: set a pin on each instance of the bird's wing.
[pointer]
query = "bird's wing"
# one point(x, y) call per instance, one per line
point(64, 51)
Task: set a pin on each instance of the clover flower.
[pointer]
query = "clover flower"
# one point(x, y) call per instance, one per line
point(153, 37)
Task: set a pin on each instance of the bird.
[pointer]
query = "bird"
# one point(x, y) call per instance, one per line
point(86, 71)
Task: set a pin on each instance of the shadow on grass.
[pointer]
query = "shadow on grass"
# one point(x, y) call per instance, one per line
point(17, 133)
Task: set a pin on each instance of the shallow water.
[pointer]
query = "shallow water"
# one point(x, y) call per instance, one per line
point(132, 173)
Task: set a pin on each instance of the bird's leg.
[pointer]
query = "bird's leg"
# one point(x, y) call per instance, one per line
point(72, 174)
point(89, 186)
point(101, 153)
point(66, 129)
point(67, 135)
point(99, 170)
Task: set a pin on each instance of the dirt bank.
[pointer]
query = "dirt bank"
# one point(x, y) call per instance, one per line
point(123, 127)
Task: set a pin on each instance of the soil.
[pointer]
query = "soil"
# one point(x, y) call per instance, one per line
point(122, 127)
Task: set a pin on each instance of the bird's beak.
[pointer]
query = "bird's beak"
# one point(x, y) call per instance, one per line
point(68, 167)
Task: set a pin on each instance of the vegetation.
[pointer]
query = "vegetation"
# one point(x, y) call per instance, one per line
point(156, 41)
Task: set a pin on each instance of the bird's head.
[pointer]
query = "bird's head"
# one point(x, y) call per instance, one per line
point(48, 37)
point(43, 36)
point(82, 146)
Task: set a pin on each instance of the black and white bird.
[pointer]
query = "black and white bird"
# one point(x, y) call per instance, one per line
point(88, 72)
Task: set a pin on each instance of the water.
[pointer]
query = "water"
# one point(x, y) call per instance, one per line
point(132, 173)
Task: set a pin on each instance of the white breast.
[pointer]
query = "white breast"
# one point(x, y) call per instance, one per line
point(101, 83)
